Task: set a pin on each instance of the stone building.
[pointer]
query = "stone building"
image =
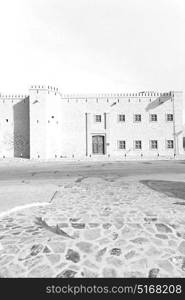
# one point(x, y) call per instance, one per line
point(49, 125)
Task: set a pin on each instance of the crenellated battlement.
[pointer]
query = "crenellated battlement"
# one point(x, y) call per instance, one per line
point(55, 91)
point(142, 94)
point(44, 88)
point(12, 97)
point(117, 95)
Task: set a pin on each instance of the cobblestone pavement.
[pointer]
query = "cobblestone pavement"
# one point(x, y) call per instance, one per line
point(96, 227)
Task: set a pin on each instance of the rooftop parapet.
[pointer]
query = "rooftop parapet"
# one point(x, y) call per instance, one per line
point(44, 88)
point(117, 95)
point(13, 96)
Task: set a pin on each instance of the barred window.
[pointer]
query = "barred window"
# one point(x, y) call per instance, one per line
point(153, 118)
point(121, 118)
point(137, 118)
point(169, 117)
point(137, 144)
point(98, 118)
point(170, 144)
point(121, 144)
point(153, 144)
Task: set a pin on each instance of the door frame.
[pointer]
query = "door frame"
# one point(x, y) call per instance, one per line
point(104, 142)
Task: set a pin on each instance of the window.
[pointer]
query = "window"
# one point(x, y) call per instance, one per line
point(121, 144)
point(153, 144)
point(169, 117)
point(137, 144)
point(153, 118)
point(170, 144)
point(137, 118)
point(121, 118)
point(98, 118)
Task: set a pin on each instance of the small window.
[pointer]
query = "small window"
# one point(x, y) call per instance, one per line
point(52, 117)
point(98, 118)
point(169, 117)
point(169, 144)
point(137, 144)
point(121, 144)
point(121, 118)
point(153, 118)
point(153, 144)
point(7, 120)
point(137, 118)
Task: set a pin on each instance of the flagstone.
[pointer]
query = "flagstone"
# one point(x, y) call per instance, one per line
point(181, 247)
point(92, 234)
point(73, 256)
point(66, 274)
point(153, 273)
point(41, 271)
point(109, 272)
point(129, 233)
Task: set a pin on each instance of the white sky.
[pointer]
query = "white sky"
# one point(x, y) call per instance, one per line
point(92, 45)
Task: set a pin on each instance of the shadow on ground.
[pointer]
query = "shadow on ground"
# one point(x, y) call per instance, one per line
point(170, 188)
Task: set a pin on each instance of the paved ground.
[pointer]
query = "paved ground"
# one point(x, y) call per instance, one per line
point(99, 223)
point(35, 171)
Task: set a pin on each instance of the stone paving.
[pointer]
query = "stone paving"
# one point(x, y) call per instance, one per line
point(96, 227)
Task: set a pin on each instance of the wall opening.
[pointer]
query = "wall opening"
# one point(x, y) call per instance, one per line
point(98, 144)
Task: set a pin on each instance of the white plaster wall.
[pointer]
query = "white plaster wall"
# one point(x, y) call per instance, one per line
point(38, 123)
point(6, 128)
point(61, 131)
point(14, 134)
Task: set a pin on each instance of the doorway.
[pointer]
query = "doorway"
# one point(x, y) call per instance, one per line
point(98, 146)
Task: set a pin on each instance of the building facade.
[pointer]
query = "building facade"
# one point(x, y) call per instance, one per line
point(48, 125)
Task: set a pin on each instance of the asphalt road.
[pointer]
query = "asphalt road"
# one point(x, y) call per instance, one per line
point(57, 170)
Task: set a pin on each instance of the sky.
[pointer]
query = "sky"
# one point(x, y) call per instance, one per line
point(92, 46)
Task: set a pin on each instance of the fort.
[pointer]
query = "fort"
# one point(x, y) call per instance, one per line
point(46, 124)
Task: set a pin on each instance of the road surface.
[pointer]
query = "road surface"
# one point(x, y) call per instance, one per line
point(58, 170)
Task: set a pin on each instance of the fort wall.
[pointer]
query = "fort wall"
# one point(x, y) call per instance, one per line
point(63, 125)
point(14, 126)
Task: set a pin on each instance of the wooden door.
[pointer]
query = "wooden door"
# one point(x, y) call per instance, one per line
point(98, 144)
